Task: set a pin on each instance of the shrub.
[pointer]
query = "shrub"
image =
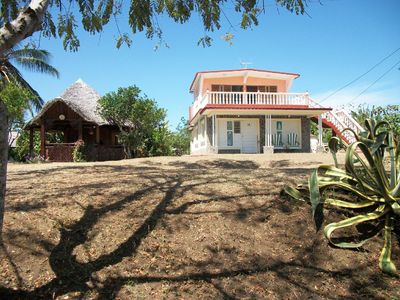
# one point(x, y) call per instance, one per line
point(78, 154)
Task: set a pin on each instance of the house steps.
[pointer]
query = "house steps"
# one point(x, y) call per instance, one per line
point(338, 121)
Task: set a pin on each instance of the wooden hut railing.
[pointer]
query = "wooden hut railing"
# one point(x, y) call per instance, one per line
point(63, 152)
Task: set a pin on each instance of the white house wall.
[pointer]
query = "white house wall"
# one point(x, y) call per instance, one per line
point(199, 142)
point(288, 126)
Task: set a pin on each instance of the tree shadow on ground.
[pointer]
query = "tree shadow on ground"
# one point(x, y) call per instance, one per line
point(72, 275)
point(219, 163)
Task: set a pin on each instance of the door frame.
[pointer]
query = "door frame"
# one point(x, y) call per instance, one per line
point(222, 127)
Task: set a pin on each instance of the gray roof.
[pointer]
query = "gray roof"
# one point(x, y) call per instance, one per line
point(81, 98)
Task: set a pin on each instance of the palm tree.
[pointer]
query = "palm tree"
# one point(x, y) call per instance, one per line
point(36, 60)
point(32, 60)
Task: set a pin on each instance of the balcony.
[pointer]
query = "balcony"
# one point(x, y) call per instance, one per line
point(234, 99)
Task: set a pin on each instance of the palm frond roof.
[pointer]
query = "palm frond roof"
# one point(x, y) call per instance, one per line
point(81, 98)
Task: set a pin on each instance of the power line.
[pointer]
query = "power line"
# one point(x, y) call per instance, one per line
point(354, 80)
point(391, 68)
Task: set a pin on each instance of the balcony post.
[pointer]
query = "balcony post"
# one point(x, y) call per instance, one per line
point(307, 99)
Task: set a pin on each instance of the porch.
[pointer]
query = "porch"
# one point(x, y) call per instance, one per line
point(58, 140)
point(245, 133)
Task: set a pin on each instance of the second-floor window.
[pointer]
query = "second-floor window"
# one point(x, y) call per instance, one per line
point(226, 88)
point(262, 88)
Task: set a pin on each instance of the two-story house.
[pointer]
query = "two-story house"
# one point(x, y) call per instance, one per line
point(253, 111)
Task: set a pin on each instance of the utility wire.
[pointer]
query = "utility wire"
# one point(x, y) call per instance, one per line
point(354, 80)
point(391, 68)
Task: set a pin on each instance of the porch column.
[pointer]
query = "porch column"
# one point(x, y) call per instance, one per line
point(320, 147)
point(319, 131)
point(30, 141)
point(268, 148)
point(216, 134)
point(80, 129)
point(212, 131)
point(42, 140)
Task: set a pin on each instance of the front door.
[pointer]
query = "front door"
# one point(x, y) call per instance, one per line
point(249, 136)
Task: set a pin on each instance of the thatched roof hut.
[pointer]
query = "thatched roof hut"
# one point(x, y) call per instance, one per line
point(81, 98)
point(74, 116)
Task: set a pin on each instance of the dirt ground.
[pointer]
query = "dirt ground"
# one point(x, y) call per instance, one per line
point(200, 227)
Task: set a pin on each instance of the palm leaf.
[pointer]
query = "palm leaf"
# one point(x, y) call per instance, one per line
point(41, 54)
point(36, 101)
point(36, 65)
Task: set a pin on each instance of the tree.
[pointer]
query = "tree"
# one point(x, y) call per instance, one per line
point(20, 20)
point(16, 99)
point(140, 121)
point(16, 96)
point(389, 113)
point(181, 138)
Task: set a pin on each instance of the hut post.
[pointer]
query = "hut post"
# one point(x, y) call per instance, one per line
point(97, 134)
point(42, 140)
point(80, 129)
point(30, 141)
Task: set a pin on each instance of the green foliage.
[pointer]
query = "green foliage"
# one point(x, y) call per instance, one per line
point(389, 113)
point(21, 151)
point(62, 21)
point(181, 138)
point(78, 154)
point(35, 60)
point(16, 99)
point(160, 142)
point(141, 122)
point(364, 188)
point(326, 132)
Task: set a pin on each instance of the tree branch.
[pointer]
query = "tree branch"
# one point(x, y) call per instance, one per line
point(28, 21)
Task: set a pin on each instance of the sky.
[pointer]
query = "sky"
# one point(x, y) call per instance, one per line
point(337, 41)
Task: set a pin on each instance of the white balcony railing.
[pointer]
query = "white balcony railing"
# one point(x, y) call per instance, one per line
point(245, 98)
point(257, 98)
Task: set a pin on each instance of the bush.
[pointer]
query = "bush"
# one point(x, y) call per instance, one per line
point(79, 152)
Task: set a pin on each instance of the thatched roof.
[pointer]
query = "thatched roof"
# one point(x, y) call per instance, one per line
point(81, 98)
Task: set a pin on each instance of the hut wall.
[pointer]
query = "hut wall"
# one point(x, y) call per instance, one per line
point(59, 108)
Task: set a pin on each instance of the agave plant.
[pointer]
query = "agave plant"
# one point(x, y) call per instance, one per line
point(368, 187)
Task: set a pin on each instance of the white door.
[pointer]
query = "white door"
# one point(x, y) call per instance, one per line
point(249, 136)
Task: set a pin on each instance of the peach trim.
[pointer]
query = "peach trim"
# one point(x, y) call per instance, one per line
point(236, 70)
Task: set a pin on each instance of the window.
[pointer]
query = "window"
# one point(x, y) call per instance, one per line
point(221, 88)
point(236, 127)
point(268, 89)
point(229, 133)
point(237, 88)
point(273, 89)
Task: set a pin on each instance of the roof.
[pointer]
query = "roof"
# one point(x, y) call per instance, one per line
point(284, 75)
point(81, 98)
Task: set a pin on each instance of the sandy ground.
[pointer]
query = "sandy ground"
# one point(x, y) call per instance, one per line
point(191, 227)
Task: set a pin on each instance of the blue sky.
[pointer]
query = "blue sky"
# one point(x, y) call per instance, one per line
point(337, 42)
